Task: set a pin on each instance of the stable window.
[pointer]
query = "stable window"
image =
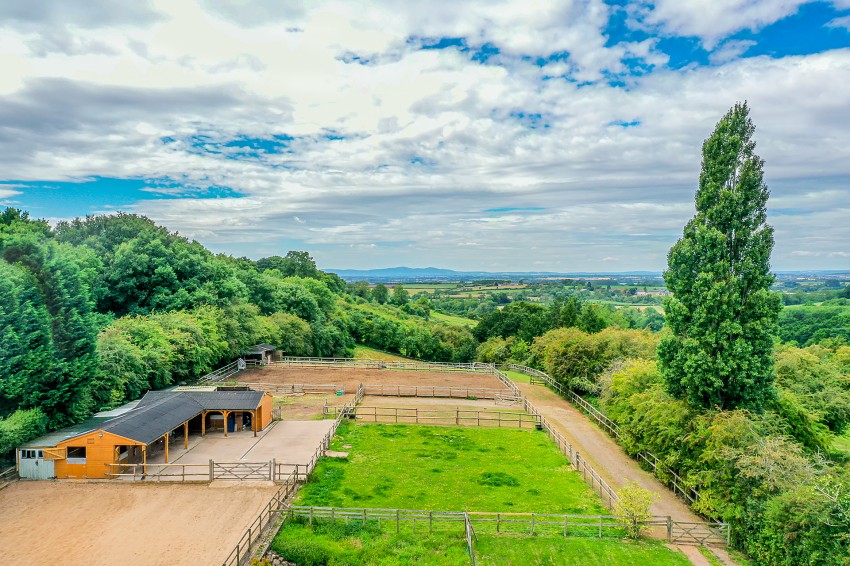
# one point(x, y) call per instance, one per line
point(28, 454)
point(76, 455)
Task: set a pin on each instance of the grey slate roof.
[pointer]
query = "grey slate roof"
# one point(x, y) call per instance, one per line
point(157, 413)
point(261, 348)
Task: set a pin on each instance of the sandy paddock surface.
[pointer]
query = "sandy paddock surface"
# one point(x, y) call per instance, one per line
point(350, 378)
point(90, 524)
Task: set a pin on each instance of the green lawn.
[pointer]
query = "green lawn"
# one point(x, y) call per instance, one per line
point(365, 352)
point(448, 469)
point(453, 320)
point(517, 376)
point(507, 549)
point(338, 543)
point(341, 544)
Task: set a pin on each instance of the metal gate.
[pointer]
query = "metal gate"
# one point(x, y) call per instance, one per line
point(242, 471)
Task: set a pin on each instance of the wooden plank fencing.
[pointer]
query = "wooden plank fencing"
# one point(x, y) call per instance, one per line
point(432, 391)
point(664, 473)
point(455, 417)
point(425, 523)
point(259, 529)
point(179, 473)
point(8, 476)
point(230, 369)
point(297, 388)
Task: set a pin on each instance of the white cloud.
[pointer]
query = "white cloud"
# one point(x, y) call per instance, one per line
point(842, 22)
point(712, 20)
point(403, 157)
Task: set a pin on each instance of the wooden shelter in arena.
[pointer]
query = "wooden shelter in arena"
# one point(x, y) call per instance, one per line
point(127, 435)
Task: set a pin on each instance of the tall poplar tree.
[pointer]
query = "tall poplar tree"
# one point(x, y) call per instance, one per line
point(722, 313)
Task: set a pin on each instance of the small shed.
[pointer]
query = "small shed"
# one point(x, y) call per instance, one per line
point(262, 353)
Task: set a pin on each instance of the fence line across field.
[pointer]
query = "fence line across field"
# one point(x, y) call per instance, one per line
point(531, 524)
point(457, 417)
point(389, 390)
point(661, 471)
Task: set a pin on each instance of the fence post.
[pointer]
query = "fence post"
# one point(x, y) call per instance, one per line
point(212, 471)
point(397, 519)
point(532, 523)
point(430, 522)
point(669, 528)
point(498, 521)
point(272, 470)
point(600, 525)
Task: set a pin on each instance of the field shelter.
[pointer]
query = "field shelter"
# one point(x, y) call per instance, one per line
point(127, 435)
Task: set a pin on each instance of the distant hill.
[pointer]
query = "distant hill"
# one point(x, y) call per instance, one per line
point(421, 274)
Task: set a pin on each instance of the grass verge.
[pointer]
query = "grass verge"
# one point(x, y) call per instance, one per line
point(511, 549)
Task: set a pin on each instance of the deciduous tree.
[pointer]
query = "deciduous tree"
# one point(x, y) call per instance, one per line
point(722, 313)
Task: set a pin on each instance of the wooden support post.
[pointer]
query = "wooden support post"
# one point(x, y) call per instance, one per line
point(165, 437)
point(186, 435)
point(203, 424)
point(254, 421)
point(225, 413)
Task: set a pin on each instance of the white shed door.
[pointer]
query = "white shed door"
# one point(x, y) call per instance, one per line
point(34, 466)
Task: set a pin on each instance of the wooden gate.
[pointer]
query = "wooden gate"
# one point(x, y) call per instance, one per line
point(698, 533)
point(242, 471)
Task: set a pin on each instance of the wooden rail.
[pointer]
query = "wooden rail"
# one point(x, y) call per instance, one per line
point(8, 476)
point(530, 524)
point(241, 554)
point(661, 471)
point(162, 472)
point(474, 367)
point(296, 388)
point(456, 417)
point(432, 391)
point(591, 477)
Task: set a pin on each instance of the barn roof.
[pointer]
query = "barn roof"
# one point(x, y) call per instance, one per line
point(157, 413)
point(261, 349)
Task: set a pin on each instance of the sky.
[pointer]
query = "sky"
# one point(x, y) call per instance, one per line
point(472, 135)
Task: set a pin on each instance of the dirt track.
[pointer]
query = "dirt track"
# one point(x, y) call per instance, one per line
point(92, 524)
point(606, 456)
point(350, 378)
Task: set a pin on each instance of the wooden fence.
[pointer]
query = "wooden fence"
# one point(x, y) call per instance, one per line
point(456, 417)
point(8, 475)
point(474, 367)
point(661, 471)
point(180, 473)
point(470, 537)
point(591, 477)
point(297, 388)
point(256, 532)
point(432, 391)
point(530, 524)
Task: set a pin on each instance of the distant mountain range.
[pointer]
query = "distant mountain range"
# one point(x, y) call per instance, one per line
point(438, 274)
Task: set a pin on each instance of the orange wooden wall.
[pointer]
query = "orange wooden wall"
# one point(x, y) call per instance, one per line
point(101, 449)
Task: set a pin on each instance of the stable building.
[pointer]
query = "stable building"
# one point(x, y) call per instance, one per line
point(262, 354)
point(128, 435)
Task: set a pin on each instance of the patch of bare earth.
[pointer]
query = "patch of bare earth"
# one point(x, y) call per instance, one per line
point(109, 523)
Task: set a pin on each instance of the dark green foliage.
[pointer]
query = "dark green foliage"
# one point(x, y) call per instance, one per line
point(497, 479)
point(523, 320)
point(295, 264)
point(20, 426)
point(722, 313)
point(380, 294)
point(808, 325)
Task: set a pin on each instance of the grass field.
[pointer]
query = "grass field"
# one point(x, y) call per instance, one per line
point(448, 469)
point(512, 549)
point(355, 544)
point(365, 352)
point(453, 320)
point(338, 543)
point(517, 376)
